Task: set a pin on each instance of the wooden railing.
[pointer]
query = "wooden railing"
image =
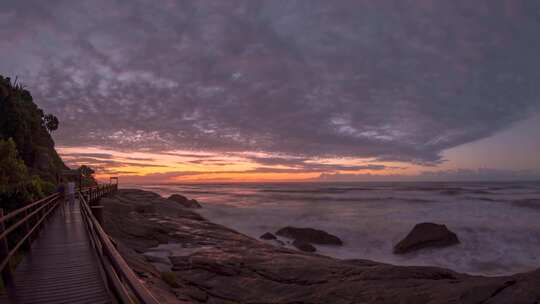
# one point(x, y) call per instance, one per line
point(18, 227)
point(120, 278)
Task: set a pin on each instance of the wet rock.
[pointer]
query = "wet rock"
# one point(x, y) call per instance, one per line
point(145, 209)
point(310, 235)
point(184, 201)
point(157, 257)
point(169, 277)
point(279, 242)
point(307, 247)
point(426, 235)
point(268, 236)
point(215, 264)
point(196, 294)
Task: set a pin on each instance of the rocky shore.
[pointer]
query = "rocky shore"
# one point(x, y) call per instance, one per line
point(184, 258)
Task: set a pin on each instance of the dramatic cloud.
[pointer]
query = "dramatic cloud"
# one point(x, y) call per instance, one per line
point(180, 164)
point(102, 165)
point(91, 155)
point(389, 80)
point(307, 165)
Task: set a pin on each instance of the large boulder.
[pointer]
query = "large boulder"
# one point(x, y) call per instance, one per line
point(303, 246)
point(426, 235)
point(184, 201)
point(268, 236)
point(310, 235)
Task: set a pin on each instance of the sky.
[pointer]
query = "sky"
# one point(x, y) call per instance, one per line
point(282, 90)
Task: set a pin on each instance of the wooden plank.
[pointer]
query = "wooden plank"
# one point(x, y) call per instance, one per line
point(62, 267)
point(122, 272)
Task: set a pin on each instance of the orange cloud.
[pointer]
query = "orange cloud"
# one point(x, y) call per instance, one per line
point(189, 166)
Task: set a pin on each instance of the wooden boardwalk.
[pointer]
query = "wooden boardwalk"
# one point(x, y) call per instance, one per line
point(61, 267)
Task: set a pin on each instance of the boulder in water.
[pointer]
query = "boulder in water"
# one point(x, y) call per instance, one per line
point(310, 235)
point(303, 246)
point(268, 236)
point(184, 201)
point(426, 235)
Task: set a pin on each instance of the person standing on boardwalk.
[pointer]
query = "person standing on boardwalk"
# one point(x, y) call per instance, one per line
point(71, 192)
point(61, 189)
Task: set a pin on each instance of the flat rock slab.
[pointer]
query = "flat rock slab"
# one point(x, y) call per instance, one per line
point(215, 264)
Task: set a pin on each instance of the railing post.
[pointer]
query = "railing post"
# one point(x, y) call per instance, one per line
point(7, 275)
point(41, 214)
point(26, 229)
point(97, 211)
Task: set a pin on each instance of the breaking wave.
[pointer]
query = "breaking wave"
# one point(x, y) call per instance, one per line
point(497, 223)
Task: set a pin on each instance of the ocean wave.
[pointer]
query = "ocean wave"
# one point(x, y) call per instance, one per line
point(319, 190)
point(533, 203)
point(485, 199)
point(497, 223)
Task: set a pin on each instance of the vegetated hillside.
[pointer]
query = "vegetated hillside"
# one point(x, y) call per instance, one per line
point(29, 164)
point(29, 127)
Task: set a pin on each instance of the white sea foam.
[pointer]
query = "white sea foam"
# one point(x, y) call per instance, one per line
point(498, 224)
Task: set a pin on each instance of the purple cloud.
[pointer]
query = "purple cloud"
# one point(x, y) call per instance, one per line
point(391, 80)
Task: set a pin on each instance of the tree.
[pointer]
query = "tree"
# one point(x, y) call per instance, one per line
point(87, 175)
point(17, 186)
point(30, 128)
point(13, 171)
point(51, 122)
point(86, 171)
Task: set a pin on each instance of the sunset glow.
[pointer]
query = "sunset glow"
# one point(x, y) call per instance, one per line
point(482, 160)
point(347, 91)
point(189, 166)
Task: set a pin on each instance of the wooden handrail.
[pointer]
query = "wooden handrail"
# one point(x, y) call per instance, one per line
point(122, 280)
point(121, 277)
point(12, 252)
point(24, 220)
point(22, 209)
point(6, 253)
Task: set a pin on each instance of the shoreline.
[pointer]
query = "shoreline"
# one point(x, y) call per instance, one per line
point(497, 230)
point(216, 264)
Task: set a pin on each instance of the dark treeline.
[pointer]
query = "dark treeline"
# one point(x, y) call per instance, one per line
point(30, 167)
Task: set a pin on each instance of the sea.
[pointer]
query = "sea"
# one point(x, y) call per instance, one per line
point(498, 224)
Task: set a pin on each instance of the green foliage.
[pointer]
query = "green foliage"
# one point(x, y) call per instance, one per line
point(51, 122)
point(23, 121)
point(17, 186)
point(29, 164)
point(12, 169)
point(87, 176)
point(47, 187)
point(86, 171)
point(169, 277)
